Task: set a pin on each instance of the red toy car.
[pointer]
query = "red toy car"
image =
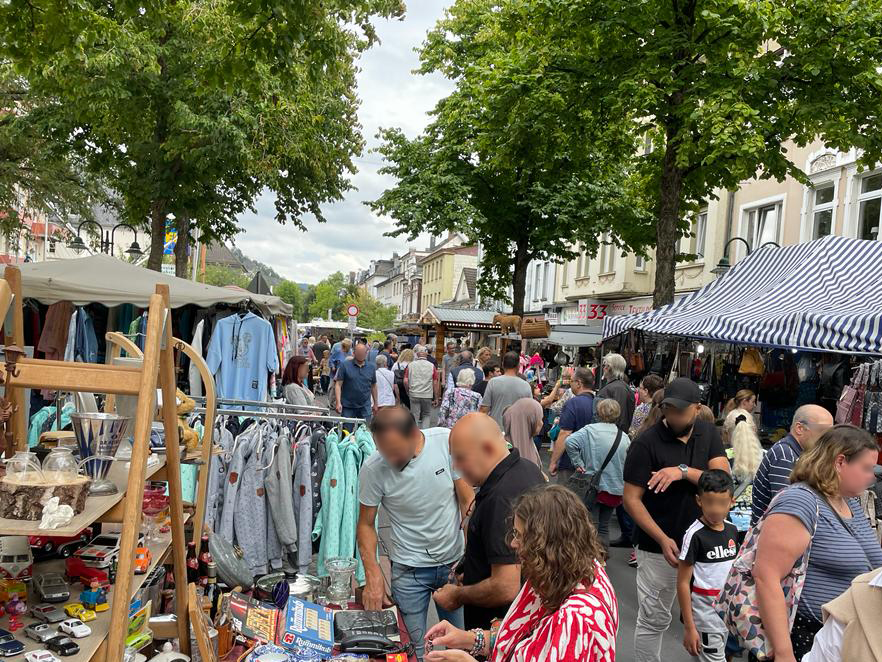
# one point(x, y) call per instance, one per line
point(76, 570)
point(64, 546)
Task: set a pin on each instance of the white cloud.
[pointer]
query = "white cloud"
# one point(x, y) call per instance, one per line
point(391, 96)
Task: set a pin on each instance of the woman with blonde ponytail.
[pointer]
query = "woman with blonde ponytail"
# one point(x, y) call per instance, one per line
point(745, 454)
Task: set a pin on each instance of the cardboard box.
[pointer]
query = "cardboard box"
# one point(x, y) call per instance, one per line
point(307, 625)
point(252, 618)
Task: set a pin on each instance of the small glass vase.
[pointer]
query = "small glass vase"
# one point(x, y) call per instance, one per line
point(341, 570)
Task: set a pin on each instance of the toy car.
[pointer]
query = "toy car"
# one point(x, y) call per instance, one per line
point(139, 640)
point(64, 546)
point(9, 645)
point(94, 597)
point(76, 610)
point(75, 628)
point(76, 570)
point(51, 587)
point(47, 614)
point(16, 560)
point(62, 645)
point(101, 551)
point(40, 632)
point(40, 656)
point(142, 560)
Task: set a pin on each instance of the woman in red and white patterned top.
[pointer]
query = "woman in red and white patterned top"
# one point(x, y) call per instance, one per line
point(566, 610)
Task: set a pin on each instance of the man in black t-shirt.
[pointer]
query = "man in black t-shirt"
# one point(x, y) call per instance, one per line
point(491, 572)
point(661, 471)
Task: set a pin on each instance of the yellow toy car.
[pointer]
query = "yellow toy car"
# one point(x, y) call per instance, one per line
point(76, 610)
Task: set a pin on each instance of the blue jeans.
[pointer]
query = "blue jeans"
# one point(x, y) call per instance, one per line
point(411, 590)
point(357, 412)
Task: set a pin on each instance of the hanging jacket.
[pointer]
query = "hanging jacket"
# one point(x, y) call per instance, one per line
point(303, 502)
point(327, 527)
point(216, 473)
point(250, 515)
point(279, 497)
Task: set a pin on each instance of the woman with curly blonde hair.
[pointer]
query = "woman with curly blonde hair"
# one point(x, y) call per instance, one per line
point(566, 610)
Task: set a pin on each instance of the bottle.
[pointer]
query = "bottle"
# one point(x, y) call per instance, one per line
point(212, 592)
point(204, 557)
point(192, 564)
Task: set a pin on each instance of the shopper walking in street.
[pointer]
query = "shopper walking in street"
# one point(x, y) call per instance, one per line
point(466, 362)
point(421, 383)
point(648, 387)
point(491, 574)
point(387, 390)
point(325, 372)
point(566, 610)
point(773, 475)
point(588, 447)
point(411, 477)
point(447, 359)
point(819, 515)
point(398, 369)
point(661, 471)
point(745, 454)
point(459, 401)
point(522, 422)
point(294, 382)
point(505, 390)
point(576, 414)
point(617, 388)
point(355, 385)
point(482, 356)
point(491, 369)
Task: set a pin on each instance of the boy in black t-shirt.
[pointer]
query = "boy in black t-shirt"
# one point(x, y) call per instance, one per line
point(707, 553)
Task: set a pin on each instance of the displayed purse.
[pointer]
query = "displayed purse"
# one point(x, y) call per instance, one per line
point(585, 484)
point(752, 363)
point(850, 407)
point(737, 603)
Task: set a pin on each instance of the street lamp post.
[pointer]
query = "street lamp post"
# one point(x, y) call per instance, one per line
point(724, 264)
point(107, 239)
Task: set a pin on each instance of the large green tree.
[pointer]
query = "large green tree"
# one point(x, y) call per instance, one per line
point(291, 292)
point(331, 294)
point(193, 108)
point(371, 313)
point(494, 164)
point(717, 87)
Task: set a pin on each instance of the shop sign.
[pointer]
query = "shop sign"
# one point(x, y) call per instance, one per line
point(552, 318)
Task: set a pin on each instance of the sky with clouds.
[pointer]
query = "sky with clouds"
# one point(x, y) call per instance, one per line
point(391, 95)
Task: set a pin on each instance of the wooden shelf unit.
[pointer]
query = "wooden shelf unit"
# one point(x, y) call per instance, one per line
point(157, 371)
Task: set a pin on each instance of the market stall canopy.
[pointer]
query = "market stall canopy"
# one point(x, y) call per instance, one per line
point(331, 325)
point(458, 318)
point(561, 335)
point(823, 295)
point(112, 282)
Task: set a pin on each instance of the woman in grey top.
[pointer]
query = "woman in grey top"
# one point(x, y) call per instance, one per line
point(818, 514)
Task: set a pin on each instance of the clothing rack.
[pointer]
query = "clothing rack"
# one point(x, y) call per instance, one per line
point(266, 404)
point(283, 416)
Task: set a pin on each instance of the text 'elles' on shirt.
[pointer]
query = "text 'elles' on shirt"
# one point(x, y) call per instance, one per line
point(241, 354)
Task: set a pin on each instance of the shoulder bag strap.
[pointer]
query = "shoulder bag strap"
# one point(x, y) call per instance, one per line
point(612, 451)
point(846, 527)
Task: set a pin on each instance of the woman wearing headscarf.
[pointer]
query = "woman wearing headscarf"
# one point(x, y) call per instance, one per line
point(522, 422)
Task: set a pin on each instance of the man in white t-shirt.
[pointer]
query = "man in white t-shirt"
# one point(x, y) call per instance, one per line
point(387, 389)
point(412, 478)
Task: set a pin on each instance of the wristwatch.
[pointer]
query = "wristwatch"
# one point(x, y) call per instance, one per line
point(685, 470)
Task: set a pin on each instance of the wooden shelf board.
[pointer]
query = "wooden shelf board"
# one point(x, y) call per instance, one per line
point(96, 506)
point(100, 626)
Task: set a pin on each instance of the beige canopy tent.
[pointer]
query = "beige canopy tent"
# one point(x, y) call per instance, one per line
point(112, 282)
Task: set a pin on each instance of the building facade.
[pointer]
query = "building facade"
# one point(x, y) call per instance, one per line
point(442, 268)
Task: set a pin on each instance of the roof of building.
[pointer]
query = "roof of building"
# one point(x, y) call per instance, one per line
point(220, 254)
point(470, 275)
point(456, 250)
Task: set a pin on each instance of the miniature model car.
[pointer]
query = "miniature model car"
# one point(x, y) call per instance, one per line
point(139, 640)
point(51, 587)
point(101, 551)
point(47, 614)
point(40, 656)
point(9, 645)
point(77, 570)
point(64, 546)
point(76, 610)
point(142, 560)
point(40, 632)
point(75, 628)
point(16, 560)
point(62, 645)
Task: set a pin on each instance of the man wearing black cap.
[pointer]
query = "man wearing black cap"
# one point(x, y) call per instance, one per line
point(661, 471)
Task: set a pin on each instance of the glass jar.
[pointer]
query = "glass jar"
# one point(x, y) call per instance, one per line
point(60, 466)
point(24, 467)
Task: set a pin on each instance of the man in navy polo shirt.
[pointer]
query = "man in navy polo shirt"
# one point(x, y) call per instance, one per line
point(355, 384)
point(577, 413)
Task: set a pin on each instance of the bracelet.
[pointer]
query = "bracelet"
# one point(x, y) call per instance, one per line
point(478, 646)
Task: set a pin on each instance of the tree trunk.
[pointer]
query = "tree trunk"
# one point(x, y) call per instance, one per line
point(182, 245)
point(157, 234)
point(667, 233)
point(519, 284)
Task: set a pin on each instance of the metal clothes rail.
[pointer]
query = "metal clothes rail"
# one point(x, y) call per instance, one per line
point(283, 416)
point(264, 404)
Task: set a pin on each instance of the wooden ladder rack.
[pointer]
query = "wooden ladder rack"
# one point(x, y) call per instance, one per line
point(107, 643)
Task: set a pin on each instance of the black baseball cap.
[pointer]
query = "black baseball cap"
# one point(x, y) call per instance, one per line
point(681, 393)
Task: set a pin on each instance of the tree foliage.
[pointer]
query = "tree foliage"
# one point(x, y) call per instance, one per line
point(331, 294)
point(372, 314)
point(716, 87)
point(221, 276)
point(291, 292)
point(194, 108)
point(494, 164)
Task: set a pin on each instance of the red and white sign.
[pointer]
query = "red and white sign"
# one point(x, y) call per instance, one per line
point(352, 310)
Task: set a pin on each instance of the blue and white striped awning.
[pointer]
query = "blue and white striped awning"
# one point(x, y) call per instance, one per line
point(824, 295)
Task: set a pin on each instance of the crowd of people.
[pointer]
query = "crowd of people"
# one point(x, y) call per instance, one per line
point(769, 554)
